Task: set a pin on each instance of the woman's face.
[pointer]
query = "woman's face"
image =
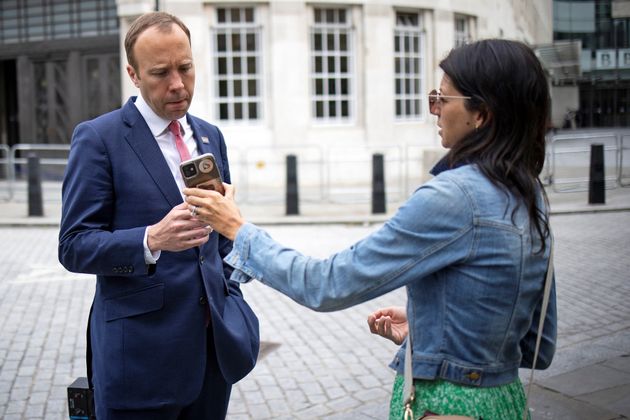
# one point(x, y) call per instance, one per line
point(454, 120)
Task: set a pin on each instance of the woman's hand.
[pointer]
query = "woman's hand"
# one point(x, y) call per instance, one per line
point(390, 323)
point(218, 211)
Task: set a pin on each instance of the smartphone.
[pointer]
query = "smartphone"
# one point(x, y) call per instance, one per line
point(202, 172)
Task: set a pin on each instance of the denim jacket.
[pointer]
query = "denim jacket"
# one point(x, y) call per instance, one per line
point(470, 264)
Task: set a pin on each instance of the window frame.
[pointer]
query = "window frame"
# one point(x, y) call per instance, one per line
point(229, 80)
point(411, 97)
point(464, 36)
point(343, 61)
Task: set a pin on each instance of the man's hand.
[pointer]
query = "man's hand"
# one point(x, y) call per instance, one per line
point(390, 323)
point(177, 231)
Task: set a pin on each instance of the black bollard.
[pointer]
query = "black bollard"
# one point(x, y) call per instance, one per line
point(596, 182)
point(378, 184)
point(292, 202)
point(35, 206)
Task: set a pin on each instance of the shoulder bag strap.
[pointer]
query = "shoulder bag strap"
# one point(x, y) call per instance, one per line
point(541, 323)
point(408, 388)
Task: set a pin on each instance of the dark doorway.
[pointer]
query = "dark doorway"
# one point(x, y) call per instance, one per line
point(605, 104)
point(9, 124)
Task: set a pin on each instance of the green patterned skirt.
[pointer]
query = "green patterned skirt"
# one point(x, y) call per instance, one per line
point(505, 402)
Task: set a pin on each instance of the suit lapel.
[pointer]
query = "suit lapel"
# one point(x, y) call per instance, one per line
point(205, 141)
point(146, 148)
point(202, 147)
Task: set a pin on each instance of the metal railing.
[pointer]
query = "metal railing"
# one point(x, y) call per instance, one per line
point(624, 167)
point(261, 177)
point(572, 174)
point(18, 158)
point(5, 160)
point(349, 169)
point(343, 174)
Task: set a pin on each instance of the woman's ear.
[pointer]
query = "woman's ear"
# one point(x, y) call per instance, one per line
point(482, 118)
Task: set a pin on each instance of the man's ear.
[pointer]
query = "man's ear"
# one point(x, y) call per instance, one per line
point(133, 75)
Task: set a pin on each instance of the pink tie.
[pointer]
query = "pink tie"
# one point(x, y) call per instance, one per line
point(184, 154)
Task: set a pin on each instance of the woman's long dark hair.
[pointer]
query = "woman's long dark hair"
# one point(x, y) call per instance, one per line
point(507, 84)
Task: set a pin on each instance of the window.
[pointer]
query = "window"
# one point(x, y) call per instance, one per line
point(408, 65)
point(332, 65)
point(462, 30)
point(238, 65)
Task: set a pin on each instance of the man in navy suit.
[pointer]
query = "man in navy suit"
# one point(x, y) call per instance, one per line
point(168, 333)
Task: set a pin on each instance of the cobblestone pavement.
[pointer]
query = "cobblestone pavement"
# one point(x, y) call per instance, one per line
point(314, 365)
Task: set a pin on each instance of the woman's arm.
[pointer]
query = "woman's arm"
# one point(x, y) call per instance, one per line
point(425, 235)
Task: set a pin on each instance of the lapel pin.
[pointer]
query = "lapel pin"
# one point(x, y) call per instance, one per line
point(204, 139)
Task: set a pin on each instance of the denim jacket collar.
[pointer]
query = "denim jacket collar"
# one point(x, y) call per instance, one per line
point(443, 166)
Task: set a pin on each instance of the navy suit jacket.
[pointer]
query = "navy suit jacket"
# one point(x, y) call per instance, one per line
point(148, 333)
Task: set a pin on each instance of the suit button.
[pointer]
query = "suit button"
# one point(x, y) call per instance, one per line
point(202, 300)
point(201, 259)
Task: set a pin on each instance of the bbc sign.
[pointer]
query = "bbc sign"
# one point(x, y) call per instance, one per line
point(612, 59)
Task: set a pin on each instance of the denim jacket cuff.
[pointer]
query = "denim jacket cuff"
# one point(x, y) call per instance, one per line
point(239, 255)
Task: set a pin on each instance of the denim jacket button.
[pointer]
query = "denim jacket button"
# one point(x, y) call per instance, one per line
point(473, 376)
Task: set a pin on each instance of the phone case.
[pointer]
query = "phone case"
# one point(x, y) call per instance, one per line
point(202, 172)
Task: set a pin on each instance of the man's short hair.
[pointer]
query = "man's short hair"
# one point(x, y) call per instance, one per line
point(162, 20)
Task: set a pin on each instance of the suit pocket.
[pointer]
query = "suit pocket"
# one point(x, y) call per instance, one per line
point(135, 303)
point(237, 339)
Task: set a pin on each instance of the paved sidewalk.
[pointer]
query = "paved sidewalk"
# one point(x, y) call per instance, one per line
point(316, 365)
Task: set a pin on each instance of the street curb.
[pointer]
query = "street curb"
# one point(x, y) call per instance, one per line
point(590, 210)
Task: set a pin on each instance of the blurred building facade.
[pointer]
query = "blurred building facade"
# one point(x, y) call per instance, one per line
point(281, 73)
point(598, 95)
point(270, 73)
point(59, 65)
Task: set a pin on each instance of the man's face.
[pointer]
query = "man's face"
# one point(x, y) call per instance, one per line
point(164, 72)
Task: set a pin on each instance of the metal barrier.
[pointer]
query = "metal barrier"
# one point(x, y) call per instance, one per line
point(355, 168)
point(325, 174)
point(24, 149)
point(5, 160)
point(263, 168)
point(624, 177)
point(578, 147)
point(546, 174)
point(343, 174)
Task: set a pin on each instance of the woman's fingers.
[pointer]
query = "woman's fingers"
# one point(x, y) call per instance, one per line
point(230, 191)
point(384, 326)
point(376, 324)
point(370, 322)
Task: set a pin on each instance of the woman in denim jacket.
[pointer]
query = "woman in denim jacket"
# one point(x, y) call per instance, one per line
point(471, 246)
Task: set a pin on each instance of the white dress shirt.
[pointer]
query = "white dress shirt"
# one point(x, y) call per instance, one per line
point(166, 141)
